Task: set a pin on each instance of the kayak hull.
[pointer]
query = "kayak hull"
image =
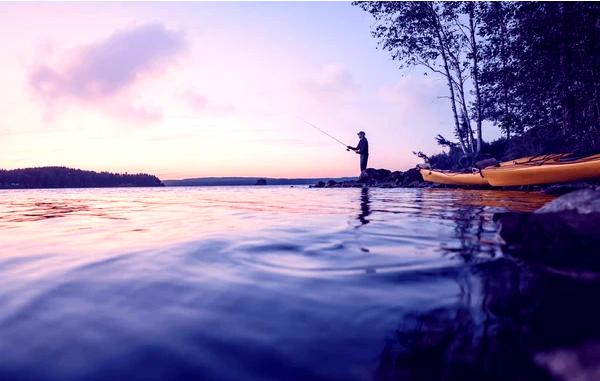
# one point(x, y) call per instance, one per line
point(546, 173)
point(453, 178)
point(532, 170)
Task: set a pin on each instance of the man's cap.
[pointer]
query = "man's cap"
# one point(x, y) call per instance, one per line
point(361, 133)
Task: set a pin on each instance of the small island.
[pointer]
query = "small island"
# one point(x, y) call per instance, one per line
point(63, 177)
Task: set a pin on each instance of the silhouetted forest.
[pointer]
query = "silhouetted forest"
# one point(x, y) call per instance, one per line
point(530, 68)
point(62, 177)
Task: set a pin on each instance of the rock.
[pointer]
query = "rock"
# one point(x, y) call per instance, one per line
point(382, 178)
point(560, 189)
point(565, 233)
point(585, 201)
point(395, 177)
point(261, 182)
point(578, 363)
point(412, 178)
point(488, 162)
point(372, 175)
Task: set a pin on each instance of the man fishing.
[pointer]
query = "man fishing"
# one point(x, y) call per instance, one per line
point(362, 149)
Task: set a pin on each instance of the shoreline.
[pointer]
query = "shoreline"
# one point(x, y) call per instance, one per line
point(411, 178)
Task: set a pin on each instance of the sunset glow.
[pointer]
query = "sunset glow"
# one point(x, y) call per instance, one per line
point(207, 89)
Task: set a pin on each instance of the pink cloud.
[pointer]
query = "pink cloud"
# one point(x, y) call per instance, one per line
point(201, 103)
point(106, 70)
point(196, 100)
point(332, 78)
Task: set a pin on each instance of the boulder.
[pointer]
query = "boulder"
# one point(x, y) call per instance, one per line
point(372, 175)
point(382, 178)
point(412, 178)
point(261, 182)
point(574, 363)
point(564, 233)
point(396, 177)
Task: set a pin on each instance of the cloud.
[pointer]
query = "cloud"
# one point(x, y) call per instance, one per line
point(333, 78)
point(107, 69)
point(411, 93)
point(331, 87)
point(200, 103)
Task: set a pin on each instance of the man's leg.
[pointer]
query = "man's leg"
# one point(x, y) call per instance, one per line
point(363, 162)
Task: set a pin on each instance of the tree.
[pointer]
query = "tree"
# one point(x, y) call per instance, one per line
point(531, 68)
point(434, 35)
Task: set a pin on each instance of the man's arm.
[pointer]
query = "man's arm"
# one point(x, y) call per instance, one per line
point(360, 148)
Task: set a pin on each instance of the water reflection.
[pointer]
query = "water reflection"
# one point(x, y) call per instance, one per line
point(365, 209)
point(501, 319)
point(275, 283)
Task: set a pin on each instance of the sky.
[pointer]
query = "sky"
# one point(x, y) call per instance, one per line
point(184, 90)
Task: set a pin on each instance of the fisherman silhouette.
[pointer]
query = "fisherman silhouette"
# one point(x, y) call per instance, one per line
point(362, 149)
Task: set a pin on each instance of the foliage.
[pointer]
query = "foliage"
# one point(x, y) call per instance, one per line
point(531, 68)
point(434, 35)
point(61, 177)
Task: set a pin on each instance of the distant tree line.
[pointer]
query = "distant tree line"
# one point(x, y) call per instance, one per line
point(62, 177)
point(531, 68)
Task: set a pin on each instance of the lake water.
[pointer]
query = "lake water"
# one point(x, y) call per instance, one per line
point(275, 283)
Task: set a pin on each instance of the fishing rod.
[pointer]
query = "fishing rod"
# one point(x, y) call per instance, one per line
point(332, 137)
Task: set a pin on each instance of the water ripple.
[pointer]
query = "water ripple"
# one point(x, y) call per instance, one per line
point(272, 283)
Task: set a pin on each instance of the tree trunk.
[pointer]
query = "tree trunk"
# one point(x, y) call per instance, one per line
point(460, 88)
point(503, 57)
point(564, 70)
point(471, 7)
point(442, 48)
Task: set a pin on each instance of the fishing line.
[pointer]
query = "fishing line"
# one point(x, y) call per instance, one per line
point(320, 130)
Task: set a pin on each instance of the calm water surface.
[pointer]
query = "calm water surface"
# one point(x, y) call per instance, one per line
point(275, 283)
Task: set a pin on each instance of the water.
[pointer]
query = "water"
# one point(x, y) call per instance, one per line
point(274, 283)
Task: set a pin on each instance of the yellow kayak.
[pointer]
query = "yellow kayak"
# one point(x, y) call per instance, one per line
point(546, 169)
point(453, 178)
point(539, 159)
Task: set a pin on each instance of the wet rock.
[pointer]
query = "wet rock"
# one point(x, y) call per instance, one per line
point(320, 184)
point(332, 184)
point(583, 202)
point(565, 233)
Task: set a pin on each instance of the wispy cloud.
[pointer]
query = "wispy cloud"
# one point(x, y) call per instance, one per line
point(332, 78)
point(106, 70)
point(201, 103)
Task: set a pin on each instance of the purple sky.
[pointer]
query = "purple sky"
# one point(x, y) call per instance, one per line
point(207, 89)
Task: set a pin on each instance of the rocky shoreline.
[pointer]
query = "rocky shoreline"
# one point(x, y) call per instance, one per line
point(411, 178)
point(381, 178)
